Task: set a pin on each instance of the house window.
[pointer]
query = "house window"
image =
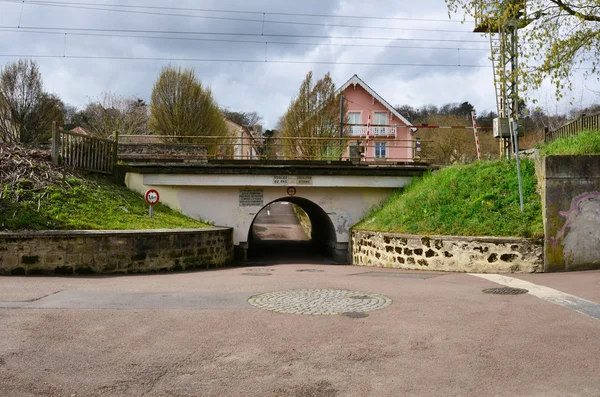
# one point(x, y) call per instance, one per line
point(354, 118)
point(380, 149)
point(381, 118)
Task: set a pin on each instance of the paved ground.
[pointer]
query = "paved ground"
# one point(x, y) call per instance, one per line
point(195, 334)
point(229, 332)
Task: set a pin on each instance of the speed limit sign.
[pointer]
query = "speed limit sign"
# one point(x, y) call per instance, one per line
point(152, 198)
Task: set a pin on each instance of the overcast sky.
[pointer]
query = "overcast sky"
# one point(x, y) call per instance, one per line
point(295, 45)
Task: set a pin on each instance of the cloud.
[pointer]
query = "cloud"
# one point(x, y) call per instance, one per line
point(265, 87)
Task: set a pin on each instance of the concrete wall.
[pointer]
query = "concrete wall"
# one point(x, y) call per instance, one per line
point(213, 198)
point(84, 252)
point(571, 209)
point(446, 253)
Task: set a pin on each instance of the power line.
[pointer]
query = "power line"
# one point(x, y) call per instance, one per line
point(370, 17)
point(260, 21)
point(170, 32)
point(276, 61)
point(241, 41)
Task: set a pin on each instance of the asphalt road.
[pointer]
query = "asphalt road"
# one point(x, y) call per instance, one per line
point(195, 334)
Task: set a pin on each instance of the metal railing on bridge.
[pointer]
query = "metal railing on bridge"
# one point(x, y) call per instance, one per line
point(356, 149)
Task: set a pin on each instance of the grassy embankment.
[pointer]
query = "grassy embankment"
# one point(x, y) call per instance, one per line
point(34, 195)
point(479, 199)
point(585, 143)
point(85, 204)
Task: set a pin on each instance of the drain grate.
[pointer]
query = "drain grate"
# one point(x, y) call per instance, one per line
point(355, 314)
point(257, 274)
point(311, 270)
point(505, 291)
point(259, 269)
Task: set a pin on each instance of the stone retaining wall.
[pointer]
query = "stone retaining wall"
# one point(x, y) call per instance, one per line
point(105, 252)
point(447, 253)
point(175, 152)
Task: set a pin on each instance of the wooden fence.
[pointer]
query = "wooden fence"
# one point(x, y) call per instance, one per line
point(83, 151)
point(574, 127)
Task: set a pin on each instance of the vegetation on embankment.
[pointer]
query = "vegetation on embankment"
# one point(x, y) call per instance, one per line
point(34, 195)
point(584, 143)
point(478, 199)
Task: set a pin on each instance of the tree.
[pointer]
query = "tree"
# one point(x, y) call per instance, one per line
point(26, 110)
point(110, 113)
point(455, 145)
point(560, 37)
point(311, 125)
point(243, 118)
point(182, 107)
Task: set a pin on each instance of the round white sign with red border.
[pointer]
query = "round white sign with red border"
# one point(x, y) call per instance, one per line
point(152, 197)
point(291, 191)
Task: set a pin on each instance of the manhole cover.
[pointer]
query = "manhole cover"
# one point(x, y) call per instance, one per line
point(259, 269)
point(355, 314)
point(505, 291)
point(321, 302)
point(311, 270)
point(257, 274)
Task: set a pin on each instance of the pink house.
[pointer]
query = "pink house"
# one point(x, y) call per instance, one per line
point(389, 133)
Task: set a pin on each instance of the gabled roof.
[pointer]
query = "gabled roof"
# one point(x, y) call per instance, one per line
point(357, 80)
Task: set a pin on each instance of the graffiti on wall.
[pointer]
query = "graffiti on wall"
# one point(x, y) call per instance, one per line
point(580, 234)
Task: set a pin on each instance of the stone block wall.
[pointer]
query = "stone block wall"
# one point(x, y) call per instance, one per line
point(447, 253)
point(162, 151)
point(106, 252)
point(571, 210)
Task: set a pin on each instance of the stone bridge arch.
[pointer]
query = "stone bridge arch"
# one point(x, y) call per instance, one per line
point(323, 238)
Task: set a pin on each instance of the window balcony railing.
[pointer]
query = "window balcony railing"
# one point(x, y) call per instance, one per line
point(360, 130)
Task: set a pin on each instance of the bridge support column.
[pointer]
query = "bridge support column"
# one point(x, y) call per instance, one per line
point(341, 253)
point(241, 252)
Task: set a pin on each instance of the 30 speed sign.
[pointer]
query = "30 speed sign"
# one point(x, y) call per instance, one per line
point(152, 197)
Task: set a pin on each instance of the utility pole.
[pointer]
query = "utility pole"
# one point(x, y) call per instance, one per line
point(501, 20)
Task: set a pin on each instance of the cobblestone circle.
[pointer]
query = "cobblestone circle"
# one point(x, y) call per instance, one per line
point(319, 302)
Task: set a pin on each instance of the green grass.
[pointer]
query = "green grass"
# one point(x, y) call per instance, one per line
point(479, 199)
point(89, 204)
point(587, 142)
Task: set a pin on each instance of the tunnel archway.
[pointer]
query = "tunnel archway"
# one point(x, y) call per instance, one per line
point(265, 244)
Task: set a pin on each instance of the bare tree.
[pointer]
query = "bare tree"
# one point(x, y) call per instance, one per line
point(454, 145)
point(26, 110)
point(243, 118)
point(312, 121)
point(181, 106)
point(110, 113)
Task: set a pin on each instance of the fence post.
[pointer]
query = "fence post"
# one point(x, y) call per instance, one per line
point(115, 153)
point(55, 144)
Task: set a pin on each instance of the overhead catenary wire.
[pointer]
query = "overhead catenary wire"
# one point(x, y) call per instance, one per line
point(262, 21)
point(276, 61)
point(240, 41)
point(362, 17)
point(252, 34)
